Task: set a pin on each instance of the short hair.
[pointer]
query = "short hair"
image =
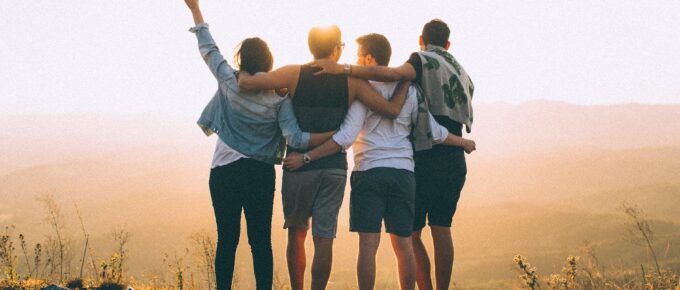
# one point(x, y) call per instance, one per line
point(322, 41)
point(436, 32)
point(376, 45)
point(254, 56)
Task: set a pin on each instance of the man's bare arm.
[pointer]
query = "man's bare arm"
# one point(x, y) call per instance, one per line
point(440, 135)
point(315, 139)
point(276, 79)
point(453, 140)
point(364, 92)
point(295, 161)
point(405, 72)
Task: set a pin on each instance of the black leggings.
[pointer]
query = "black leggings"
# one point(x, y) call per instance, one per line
point(249, 185)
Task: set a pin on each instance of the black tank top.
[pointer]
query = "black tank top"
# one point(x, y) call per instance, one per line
point(320, 104)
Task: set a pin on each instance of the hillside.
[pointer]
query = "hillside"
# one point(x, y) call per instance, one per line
point(541, 184)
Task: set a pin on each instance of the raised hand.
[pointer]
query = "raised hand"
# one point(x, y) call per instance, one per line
point(195, 11)
point(328, 67)
point(192, 4)
point(293, 161)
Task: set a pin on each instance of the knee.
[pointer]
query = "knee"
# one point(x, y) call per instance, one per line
point(227, 242)
point(297, 237)
point(415, 237)
point(442, 233)
point(260, 243)
point(369, 243)
point(323, 243)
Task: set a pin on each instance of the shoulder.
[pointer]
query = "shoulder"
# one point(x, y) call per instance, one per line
point(414, 59)
point(412, 91)
point(288, 70)
point(412, 96)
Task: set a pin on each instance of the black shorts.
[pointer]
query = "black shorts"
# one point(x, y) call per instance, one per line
point(439, 179)
point(379, 193)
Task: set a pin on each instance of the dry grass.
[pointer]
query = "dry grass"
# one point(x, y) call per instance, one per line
point(591, 273)
point(34, 266)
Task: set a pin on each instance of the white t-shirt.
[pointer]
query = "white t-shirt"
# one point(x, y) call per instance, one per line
point(383, 142)
point(224, 154)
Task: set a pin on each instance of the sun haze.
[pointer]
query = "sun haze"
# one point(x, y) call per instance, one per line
point(136, 56)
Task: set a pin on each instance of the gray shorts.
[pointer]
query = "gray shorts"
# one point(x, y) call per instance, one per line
point(315, 194)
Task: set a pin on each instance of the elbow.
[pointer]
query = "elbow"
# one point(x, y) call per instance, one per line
point(393, 113)
point(299, 141)
point(206, 49)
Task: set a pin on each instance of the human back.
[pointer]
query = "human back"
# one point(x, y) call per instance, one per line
point(384, 142)
point(321, 102)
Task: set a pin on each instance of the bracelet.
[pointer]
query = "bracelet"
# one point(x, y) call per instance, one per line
point(347, 69)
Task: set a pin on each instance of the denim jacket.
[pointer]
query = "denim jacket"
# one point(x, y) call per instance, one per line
point(253, 123)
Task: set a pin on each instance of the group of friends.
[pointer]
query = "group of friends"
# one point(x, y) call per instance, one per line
point(404, 124)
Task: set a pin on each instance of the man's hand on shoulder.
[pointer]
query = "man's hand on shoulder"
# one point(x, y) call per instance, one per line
point(284, 77)
point(328, 67)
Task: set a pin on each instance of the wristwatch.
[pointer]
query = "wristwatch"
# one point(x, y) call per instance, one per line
point(347, 69)
point(306, 159)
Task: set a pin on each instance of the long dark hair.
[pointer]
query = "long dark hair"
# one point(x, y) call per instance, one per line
point(254, 56)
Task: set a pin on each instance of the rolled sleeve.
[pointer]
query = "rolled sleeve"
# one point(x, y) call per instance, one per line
point(439, 132)
point(199, 27)
point(211, 53)
point(349, 130)
point(290, 127)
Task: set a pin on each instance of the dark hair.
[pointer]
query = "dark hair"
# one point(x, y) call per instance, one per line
point(436, 32)
point(376, 45)
point(254, 56)
point(322, 41)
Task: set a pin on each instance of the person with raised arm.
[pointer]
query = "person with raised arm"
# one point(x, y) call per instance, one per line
point(316, 192)
point(250, 125)
point(440, 170)
point(383, 182)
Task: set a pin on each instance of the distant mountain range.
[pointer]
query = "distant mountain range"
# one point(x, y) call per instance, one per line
point(546, 176)
point(547, 125)
point(499, 129)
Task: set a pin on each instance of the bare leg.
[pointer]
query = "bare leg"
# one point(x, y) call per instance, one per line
point(323, 260)
point(368, 247)
point(422, 262)
point(443, 256)
point(403, 249)
point(297, 259)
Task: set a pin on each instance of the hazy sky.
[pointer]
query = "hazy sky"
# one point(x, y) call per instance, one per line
point(137, 56)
